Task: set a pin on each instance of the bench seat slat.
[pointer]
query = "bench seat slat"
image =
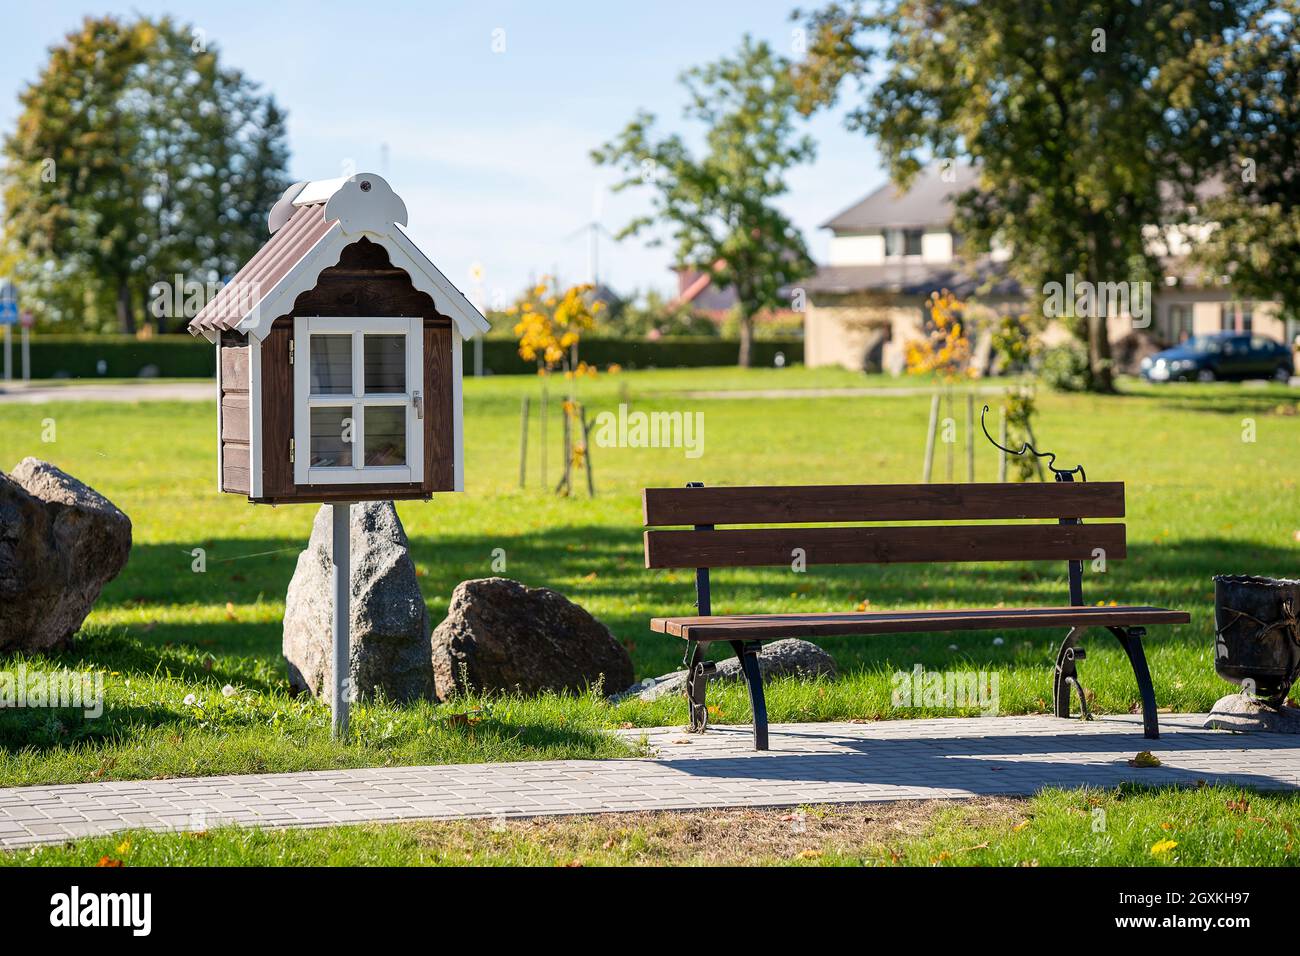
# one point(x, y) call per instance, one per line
point(805, 504)
point(773, 547)
point(773, 626)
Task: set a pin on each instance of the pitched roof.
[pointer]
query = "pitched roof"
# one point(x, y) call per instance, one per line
point(929, 201)
point(916, 278)
point(310, 225)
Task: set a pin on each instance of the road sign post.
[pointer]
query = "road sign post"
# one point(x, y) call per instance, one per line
point(8, 319)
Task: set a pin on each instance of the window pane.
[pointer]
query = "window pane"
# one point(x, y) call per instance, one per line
point(912, 242)
point(331, 364)
point(331, 437)
point(386, 435)
point(385, 363)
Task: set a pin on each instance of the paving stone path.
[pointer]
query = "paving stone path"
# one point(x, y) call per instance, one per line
point(808, 764)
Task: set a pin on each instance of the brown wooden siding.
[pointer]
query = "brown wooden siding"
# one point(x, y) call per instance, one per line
point(277, 412)
point(439, 448)
point(234, 415)
point(363, 283)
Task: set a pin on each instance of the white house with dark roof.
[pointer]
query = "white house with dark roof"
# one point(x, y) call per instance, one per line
point(892, 249)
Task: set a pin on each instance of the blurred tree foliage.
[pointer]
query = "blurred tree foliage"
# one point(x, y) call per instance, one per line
point(718, 205)
point(653, 315)
point(1256, 135)
point(137, 156)
point(1088, 119)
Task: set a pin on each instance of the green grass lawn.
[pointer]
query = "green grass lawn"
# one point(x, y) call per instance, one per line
point(1221, 826)
point(1200, 501)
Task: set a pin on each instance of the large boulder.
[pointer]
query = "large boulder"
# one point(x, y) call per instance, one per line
point(60, 543)
point(1246, 714)
point(389, 639)
point(503, 636)
point(790, 657)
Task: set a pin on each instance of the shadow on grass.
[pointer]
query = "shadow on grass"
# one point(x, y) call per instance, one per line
point(1229, 401)
point(601, 568)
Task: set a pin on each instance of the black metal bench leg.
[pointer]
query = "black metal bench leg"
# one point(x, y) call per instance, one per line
point(1066, 676)
point(747, 652)
point(1130, 638)
point(697, 680)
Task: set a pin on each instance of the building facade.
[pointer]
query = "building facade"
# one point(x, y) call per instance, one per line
point(890, 251)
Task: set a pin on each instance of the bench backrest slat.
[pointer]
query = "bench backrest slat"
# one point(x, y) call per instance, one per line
point(882, 544)
point(837, 503)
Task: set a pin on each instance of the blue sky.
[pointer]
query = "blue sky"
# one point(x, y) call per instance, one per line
point(489, 150)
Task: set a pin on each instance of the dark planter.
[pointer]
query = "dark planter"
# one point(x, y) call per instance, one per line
point(1257, 639)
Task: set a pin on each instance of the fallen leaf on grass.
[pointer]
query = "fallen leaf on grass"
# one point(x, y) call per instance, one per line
point(1021, 825)
point(466, 719)
point(1162, 846)
point(108, 861)
point(809, 854)
point(1238, 806)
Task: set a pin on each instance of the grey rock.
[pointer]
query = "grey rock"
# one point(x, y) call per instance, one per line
point(389, 639)
point(1246, 714)
point(60, 543)
point(790, 657)
point(504, 636)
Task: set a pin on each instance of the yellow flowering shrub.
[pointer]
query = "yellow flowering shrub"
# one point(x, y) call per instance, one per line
point(550, 324)
point(946, 350)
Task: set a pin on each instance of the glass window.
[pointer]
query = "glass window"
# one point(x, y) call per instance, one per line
point(385, 364)
point(1180, 323)
point(385, 435)
point(331, 437)
point(912, 242)
point(331, 364)
point(892, 243)
point(357, 384)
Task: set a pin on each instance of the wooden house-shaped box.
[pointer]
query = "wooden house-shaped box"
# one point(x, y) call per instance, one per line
point(339, 355)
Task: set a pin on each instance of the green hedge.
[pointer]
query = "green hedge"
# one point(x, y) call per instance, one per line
point(501, 356)
point(123, 356)
point(180, 356)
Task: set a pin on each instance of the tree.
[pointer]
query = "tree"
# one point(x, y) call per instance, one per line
point(1076, 113)
point(1254, 234)
point(718, 206)
point(136, 157)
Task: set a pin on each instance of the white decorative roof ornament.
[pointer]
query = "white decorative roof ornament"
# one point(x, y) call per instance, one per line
point(365, 203)
point(283, 208)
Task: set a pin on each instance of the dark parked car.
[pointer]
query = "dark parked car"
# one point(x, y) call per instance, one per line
point(1220, 355)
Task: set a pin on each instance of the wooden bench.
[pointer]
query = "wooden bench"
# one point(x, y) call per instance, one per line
point(1066, 502)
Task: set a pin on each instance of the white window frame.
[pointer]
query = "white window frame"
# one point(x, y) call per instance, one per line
point(413, 400)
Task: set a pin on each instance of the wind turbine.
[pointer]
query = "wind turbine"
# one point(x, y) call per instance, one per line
point(593, 229)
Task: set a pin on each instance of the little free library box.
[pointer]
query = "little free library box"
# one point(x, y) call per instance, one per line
point(339, 355)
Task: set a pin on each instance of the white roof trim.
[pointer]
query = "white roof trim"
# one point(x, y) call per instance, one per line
point(318, 190)
point(445, 295)
point(403, 253)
